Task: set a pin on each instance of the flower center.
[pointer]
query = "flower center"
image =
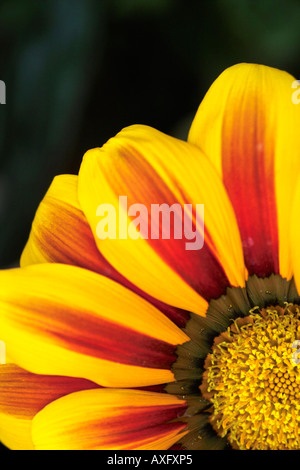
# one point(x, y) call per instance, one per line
point(252, 379)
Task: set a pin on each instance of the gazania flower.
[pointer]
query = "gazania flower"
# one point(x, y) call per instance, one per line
point(140, 343)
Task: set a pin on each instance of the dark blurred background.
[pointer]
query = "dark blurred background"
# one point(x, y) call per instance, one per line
point(77, 71)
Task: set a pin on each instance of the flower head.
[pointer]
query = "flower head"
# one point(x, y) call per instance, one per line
point(138, 342)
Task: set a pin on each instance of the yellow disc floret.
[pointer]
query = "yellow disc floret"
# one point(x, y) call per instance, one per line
point(253, 380)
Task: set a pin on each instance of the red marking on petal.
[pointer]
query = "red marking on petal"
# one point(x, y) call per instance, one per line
point(248, 171)
point(199, 268)
point(139, 424)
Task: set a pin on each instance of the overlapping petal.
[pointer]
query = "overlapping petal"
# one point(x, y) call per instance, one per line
point(22, 395)
point(150, 168)
point(60, 233)
point(110, 419)
point(63, 320)
point(248, 126)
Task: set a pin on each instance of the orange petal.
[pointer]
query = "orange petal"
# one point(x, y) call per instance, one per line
point(248, 126)
point(110, 419)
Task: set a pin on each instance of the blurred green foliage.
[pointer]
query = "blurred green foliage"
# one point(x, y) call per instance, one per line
point(77, 71)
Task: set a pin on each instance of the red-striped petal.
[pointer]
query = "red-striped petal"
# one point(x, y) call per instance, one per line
point(23, 394)
point(64, 320)
point(60, 233)
point(248, 126)
point(110, 419)
point(149, 168)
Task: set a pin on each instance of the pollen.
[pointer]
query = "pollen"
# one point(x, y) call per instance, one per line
point(253, 381)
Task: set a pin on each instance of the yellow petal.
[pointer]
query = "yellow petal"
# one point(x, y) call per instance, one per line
point(109, 419)
point(148, 167)
point(60, 233)
point(15, 434)
point(62, 320)
point(22, 395)
point(248, 126)
point(295, 235)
